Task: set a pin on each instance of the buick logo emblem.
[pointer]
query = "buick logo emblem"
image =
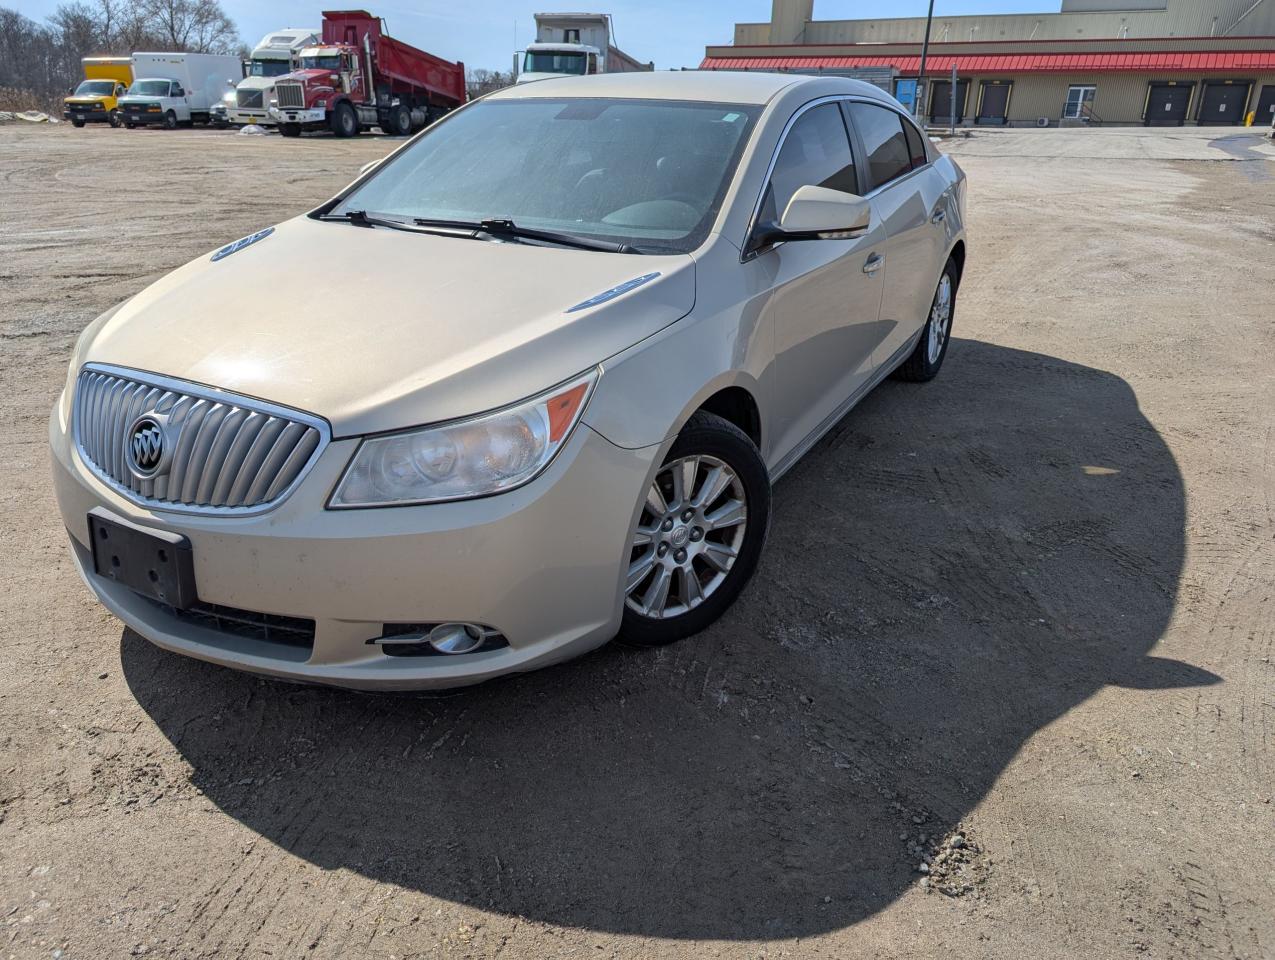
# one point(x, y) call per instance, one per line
point(147, 447)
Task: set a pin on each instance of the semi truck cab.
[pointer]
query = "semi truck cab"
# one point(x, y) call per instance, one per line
point(277, 55)
point(544, 60)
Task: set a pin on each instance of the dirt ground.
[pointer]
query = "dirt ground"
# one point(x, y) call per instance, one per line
point(1002, 688)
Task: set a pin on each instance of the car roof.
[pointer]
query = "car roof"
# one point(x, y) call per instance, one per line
point(711, 86)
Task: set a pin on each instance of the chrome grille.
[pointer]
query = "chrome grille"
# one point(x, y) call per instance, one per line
point(289, 94)
point(230, 454)
point(248, 99)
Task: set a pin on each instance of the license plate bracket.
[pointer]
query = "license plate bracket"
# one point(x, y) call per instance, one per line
point(155, 563)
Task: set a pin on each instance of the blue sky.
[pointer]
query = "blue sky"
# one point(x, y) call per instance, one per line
point(673, 33)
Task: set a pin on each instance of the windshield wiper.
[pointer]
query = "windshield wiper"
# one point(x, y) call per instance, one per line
point(507, 228)
point(361, 218)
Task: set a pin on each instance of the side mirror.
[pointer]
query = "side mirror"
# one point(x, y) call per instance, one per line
point(371, 165)
point(817, 213)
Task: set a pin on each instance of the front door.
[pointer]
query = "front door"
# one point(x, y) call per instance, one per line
point(994, 105)
point(1266, 106)
point(827, 293)
point(1222, 104)
point(1167, 105)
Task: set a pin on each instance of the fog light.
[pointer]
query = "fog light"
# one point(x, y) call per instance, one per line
point(456, 638)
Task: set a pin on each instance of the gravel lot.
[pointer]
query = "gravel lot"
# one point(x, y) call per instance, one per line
point(1002, 688)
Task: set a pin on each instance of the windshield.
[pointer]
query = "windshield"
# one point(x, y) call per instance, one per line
point(95, 88)
point(647, 173)
point(149, 88)
point(269, 68)
point(550, 62)
point(321, 63)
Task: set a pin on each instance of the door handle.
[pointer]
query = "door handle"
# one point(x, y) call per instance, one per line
point(874, 263)
point(939, 216)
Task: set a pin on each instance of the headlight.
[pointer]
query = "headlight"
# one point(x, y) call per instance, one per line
point(320, 103)
point(465, 458)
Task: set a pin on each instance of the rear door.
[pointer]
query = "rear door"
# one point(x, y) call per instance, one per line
point(909, 196)
point(1167, 104)
point(827, 293)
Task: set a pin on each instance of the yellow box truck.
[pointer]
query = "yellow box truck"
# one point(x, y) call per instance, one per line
point(94, 100)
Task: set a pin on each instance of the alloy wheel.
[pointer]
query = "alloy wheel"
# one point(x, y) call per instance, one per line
point(688, 537)
point(940, 318)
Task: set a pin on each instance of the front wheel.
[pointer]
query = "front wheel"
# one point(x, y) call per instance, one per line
point(170, 120)
point(114, 119)
point(289, 129)
point(700, 533)
point(345, 122)
point(924, 362)
point(77, 124)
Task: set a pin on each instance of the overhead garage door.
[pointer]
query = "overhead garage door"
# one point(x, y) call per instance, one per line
point(993, 101)
point(941, 100)
point(1266, 106)
point(1222, 103)
point(1167, 104)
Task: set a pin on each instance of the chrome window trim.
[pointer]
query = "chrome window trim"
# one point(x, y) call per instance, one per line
point(202, 392)
point(744, 256)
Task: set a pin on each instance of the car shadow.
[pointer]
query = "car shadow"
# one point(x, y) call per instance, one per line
point(955, 566)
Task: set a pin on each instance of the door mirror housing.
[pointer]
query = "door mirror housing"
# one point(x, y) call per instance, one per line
point(370, 166)
point(817, 213)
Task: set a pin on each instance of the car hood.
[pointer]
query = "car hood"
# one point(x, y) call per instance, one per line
point(98, 98)
point(378, 329)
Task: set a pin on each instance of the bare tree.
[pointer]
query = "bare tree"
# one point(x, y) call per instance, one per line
point(200, 26)
point(481, 81)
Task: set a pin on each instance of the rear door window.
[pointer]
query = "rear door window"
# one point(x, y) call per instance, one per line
point(817, 153)
point(916, 145)
point(884, 142)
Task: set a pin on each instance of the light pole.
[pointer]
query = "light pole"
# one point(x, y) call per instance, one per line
point(925, 52)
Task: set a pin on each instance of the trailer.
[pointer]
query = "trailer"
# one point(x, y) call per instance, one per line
point(360, 77)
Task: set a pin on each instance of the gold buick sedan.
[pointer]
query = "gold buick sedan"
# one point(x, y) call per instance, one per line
point(535, 375)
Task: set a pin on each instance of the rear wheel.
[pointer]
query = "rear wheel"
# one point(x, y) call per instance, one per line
point(170, 120)
point(345, 122)
point(699, 535)
point(399, 121)
point(289, 129)
point(924, 362)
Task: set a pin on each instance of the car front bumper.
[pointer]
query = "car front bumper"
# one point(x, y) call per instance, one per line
point(542, 565)
point(144, 116)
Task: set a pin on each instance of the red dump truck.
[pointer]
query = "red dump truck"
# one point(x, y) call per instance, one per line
point(360, 77)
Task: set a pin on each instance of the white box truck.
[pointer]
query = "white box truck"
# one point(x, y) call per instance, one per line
point(277, 54)
point(174, 88)
point(575, 44)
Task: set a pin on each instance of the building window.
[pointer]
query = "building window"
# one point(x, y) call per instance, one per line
point(571, 36)
point(1079, 103)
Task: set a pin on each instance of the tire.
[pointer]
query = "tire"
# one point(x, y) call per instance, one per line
point(289, 129)
point(130, 126)
point(77, 124)
point(113, 118)
point(924, 362)
point(345, 122)
point(399, 121)
point(662, 535)
point(170, 120)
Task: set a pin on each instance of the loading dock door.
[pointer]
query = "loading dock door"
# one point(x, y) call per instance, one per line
point(1168, 104)
point(1222, 104)
point(993, 107)
point(1266, 106)
point(941, 100)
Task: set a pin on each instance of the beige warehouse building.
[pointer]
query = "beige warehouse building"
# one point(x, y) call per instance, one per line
point(1155, 62)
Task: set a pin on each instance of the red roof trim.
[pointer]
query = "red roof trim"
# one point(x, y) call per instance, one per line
point(939, 64)
point(983, 43)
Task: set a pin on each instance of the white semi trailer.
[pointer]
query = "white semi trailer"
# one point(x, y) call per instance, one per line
point(277, 54)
